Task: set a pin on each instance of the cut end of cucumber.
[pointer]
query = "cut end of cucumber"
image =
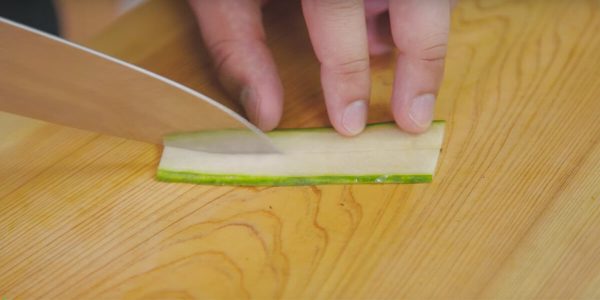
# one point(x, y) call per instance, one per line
point(315, 156)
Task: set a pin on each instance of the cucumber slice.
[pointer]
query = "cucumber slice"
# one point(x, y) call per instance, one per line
point(381, 154)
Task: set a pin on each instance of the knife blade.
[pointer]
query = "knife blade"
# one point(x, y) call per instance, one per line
point(51, 79)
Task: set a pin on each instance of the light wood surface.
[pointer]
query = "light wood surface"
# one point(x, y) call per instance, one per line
point(81, 20)
point(514, 211)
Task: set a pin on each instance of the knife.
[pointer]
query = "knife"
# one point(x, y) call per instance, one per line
point(54, 80)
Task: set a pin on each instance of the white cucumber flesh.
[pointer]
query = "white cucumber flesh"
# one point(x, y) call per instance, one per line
point(380, 154)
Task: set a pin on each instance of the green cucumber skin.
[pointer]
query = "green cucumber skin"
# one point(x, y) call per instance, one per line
point(247, 180)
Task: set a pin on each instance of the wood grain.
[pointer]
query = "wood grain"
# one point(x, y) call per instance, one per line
point(514, 211)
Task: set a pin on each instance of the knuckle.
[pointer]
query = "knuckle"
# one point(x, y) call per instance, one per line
point(227, 50)
point(222, 51)
point(436, 52)
point(341, 4)
point(432, 47)
point(350, 67)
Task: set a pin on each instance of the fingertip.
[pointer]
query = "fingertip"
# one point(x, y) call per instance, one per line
point(405, 124)
point(269, 121)
point(269, 115)
point(346, 97)
point(262, 109)
point(353, 118)
point(416, 115)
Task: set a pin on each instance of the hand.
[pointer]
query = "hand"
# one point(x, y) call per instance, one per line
point(342, 40)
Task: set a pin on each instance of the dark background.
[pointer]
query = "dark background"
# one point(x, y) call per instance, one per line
point(39, 14)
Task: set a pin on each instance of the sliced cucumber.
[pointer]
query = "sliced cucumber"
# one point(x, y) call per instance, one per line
point(381, 154)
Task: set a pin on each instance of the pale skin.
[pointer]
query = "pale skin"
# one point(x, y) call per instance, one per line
point(344, 34)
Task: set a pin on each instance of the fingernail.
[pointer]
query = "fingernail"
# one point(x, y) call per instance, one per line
point(355, 117)
point(421, 110)
point(250, 104)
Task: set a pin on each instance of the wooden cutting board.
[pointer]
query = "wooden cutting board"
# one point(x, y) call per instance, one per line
point(514, 211)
